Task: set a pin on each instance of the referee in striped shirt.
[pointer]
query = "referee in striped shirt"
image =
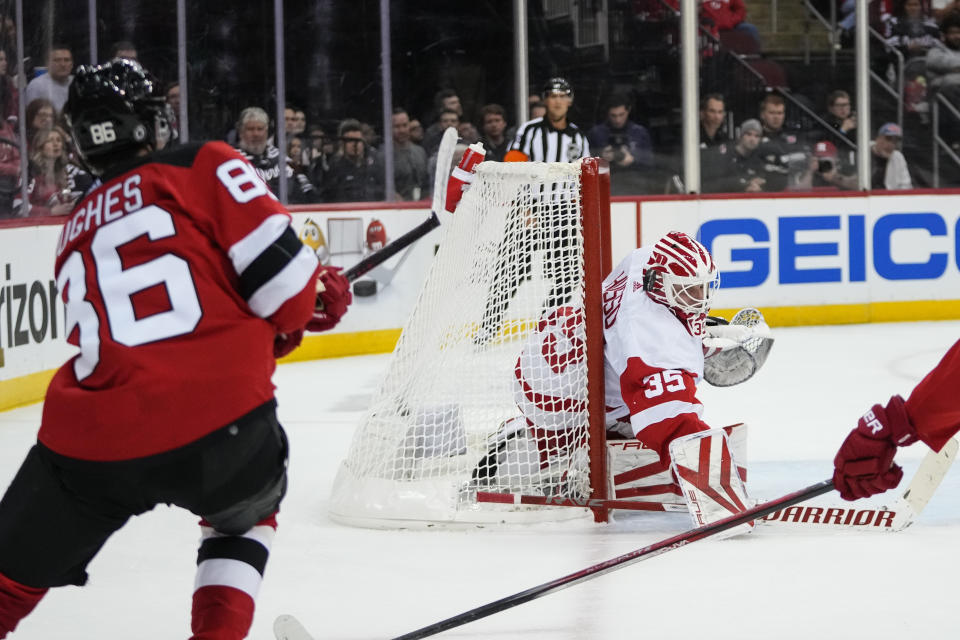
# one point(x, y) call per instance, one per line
point(551, 138)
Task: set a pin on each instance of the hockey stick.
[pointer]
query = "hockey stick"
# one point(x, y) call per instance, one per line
point(379, 257)
point(560, 501)
point(619, 562)
point(899, 515)
point(444, 158)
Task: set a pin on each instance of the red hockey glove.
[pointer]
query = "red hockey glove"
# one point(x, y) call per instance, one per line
point(864, 465)
point(284, 343)
point(333, 297)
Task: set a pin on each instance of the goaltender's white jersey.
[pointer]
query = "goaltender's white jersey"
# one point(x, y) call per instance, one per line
point(652, 364)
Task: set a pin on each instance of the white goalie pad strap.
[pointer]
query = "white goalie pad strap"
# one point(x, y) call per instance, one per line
point(636, 473)
point(709, 478)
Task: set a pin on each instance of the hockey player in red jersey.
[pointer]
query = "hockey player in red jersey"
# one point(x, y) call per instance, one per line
point(183, 280)
point(864, 464)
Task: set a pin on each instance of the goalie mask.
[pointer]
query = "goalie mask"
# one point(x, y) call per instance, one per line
point(114, 110)
point(681, 275)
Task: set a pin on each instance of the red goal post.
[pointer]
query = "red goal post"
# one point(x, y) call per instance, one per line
point(526, 239)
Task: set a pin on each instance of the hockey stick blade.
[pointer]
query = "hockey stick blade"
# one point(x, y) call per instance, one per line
point(927, 478)
point(622, 561)
point(286, 627)
point(444, 157)
point(859, 516)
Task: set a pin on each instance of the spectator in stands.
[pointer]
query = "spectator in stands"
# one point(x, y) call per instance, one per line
point(124, 49)
point(172, 96)
point(55, 183)
point(370, 136)
point(295, 152)
point(295, 124)
point(295, 120)
point(537, 110)
point(445, 100)
point(467, 132)
point(912, 32)
point(493, 125)
point(713, 117)
point(448, 118)
point(9, 95)
point(738, 167)
point(625, 145)
point(943, 65)
point(317, 155)
point(354, 175)
point(890, 169)
point(55, 83)
point(840, 114)
point(416, 131)
point(253, 142)
point(727, 15)
point(832, 171)
point(911, 29)
point(40, 114)
point(410, 178)
point(789, 165)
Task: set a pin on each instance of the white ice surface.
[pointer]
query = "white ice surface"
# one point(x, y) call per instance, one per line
point(774, 584)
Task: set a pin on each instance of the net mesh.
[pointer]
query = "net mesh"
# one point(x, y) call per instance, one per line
point(507, 280)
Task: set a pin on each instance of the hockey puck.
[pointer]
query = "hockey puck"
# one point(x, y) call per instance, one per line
point(365, 288)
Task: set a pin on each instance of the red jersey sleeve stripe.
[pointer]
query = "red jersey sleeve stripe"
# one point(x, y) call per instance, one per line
point(249, 248)
point(288, 282)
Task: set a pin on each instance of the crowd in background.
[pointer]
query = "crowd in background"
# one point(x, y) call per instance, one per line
point(343, 161)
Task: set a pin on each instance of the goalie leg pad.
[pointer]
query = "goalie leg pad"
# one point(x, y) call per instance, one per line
point(710, 479)
point(636, 473)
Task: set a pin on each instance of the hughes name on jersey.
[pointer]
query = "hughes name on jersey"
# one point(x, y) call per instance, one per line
point(185, 248)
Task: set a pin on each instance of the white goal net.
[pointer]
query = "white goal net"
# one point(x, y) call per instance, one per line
point(445, 422)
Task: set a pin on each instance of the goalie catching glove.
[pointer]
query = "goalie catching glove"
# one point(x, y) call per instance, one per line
point(734, 351)
point(864, 465)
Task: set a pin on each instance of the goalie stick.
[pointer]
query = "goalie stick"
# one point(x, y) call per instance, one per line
point(289, 625)
point(444, 158)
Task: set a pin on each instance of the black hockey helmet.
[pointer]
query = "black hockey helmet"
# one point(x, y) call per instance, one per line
point(114, 110)
point(557, 85)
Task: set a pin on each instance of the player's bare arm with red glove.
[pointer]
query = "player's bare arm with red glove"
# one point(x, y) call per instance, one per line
point(864, 465)
point(333, 298)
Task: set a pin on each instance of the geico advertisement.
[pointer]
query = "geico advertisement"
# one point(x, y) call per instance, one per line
point(32, 316)
point(820, 251)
